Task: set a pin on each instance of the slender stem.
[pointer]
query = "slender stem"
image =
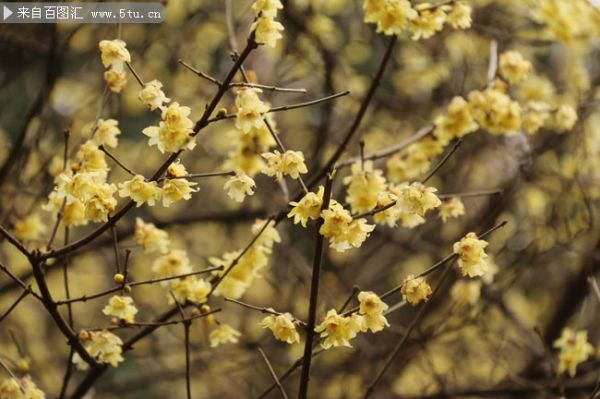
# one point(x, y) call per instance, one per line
point(277, 382)
point(14, 305)
point(409, 330)
point(479, 193)
point(198, 175)
point(442, 162)
point(121, 165)
point(314, 296)
point(261, 309)
point(200, 73)
point(135, 74)
point(188, 380)
point(14, 241)
point(19, 282)
point(267, 87)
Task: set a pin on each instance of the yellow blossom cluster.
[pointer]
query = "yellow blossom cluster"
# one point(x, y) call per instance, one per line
point(339, 330)
point(151, 238)
point(415, 289)
point(513, 67)
point(494, 110)
point(121, 307)
point(457, 122)
point(247, 267)
point(29, 228)
point(266, 29)
point(289, 163)
point(309, 207)
point(414, 160)
point(250, 110)
point(451, 208)
point(342, 230)
point(566, 20)
point(393, 17)
point(223, 334)
point(239, 186)
point(412, 202)
point(174, 132)
point(82, 193)
point(22, 388)
point(472, 259)
point(152, 95)
point(106, 133)
point(103, 346)
point(364, 185)
point(114, 55)
point(574, 349)
point(283, 327)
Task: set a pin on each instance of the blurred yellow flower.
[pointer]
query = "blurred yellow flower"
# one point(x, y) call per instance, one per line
point(121, 307)
point(223, 334)
point(282, 326)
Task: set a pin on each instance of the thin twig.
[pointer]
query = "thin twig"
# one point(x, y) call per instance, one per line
point(268, 87)
point(135, 74)
point(261, 309)
point(314, 296)
point(200, 73)
point(14, 305)
point(266, 359)
point(442, 162)
point(111, 156)
point(14, 241)
point(478, 193)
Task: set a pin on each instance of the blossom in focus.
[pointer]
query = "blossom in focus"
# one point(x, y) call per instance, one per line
point(289, 163)
point(114, 54)
point(415, 289)
point(267, 30)
point(364, 186)
point(152, 95)
point(239, 186)
point(309, 207)
point(472, 259)
point(574, 349)
point(116, 81)
point(174, 190)
point(282, 326)
point(106, 133)
point(338, 330)
point(250, 109)
point(121, 307)
point(103, 346)
point(140, 191)
point(372, 308)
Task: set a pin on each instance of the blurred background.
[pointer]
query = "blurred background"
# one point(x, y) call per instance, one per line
point(470, 343)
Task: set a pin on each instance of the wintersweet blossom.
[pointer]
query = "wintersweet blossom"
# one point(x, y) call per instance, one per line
point(174, 132)
point(364, 186)
point(121, 307)
point(563, 119)
point(342, 230)
point(372, 308)
point(415, 289)
point(152, 95)
point(513, 67)
point(173, 263)
point(289, 163)
point(460, 15)
point(23, 388)
point(282, 326)
point(267, 30)
point(92, 159)
point(574, 349)
point(189, 288)
point(456, 123)
point(466, 292)
point(114, 54)
point(140, 190)
point(269, 235)
point(151, 238)
point(430, 19)
point(451, 208)
point(309, 207)
point(494, 110)
point(472, 259)
point(31, 227)
point(390, 16)
point(339, 330)
point(174, 190)
point(106, 133)
point(239, 186)
point(250, 109)
point(103, 346)
point(116, 81)
point(266, 7)
point(223, 334)
point(414, 201)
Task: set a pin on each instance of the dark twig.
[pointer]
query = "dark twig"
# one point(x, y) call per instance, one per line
point(442, 161)
point(14, 305)
point(277, 382)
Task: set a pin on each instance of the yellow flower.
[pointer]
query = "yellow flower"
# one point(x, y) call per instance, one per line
point(364, 186)
point(341, 229)
point(189, 288)
point(174, 190)
point(338, 330)
point(460, 16)
point(173, 263)
point(239, 186)
point(289, 163)
point(495, 111)
point(121, 307)
point(466, 292)
point(101, 203)
point(457, 123)
point(574, 349)
point(391, 215)
point(140, 191)
point(513, 67)
point(176, 169)
point(266, 30)
point(282, 326)
point(92, 158)
point(451, 208)
point(175, 131)
point(269, 236)
point(428, 21)
point(30, 227)
point(472, 259)
point(116, 81)
point(11, 389)
point(266, 7)
point(309, 207)
point(104, 346)
point(151, 238)
point(222, 335)
point(414, 201)
point(390, 16)
point(535, 116)
point(152, 95)
point(415, 289)
point(372, 308)
point(106, 133)
point(563, 119)
point(250, 109)
point(114, 54)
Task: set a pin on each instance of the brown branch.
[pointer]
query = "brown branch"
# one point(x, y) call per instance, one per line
point(14, 241)
point(277, 382)
point(24, 293)
point(314, 296)
point(262, 309)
